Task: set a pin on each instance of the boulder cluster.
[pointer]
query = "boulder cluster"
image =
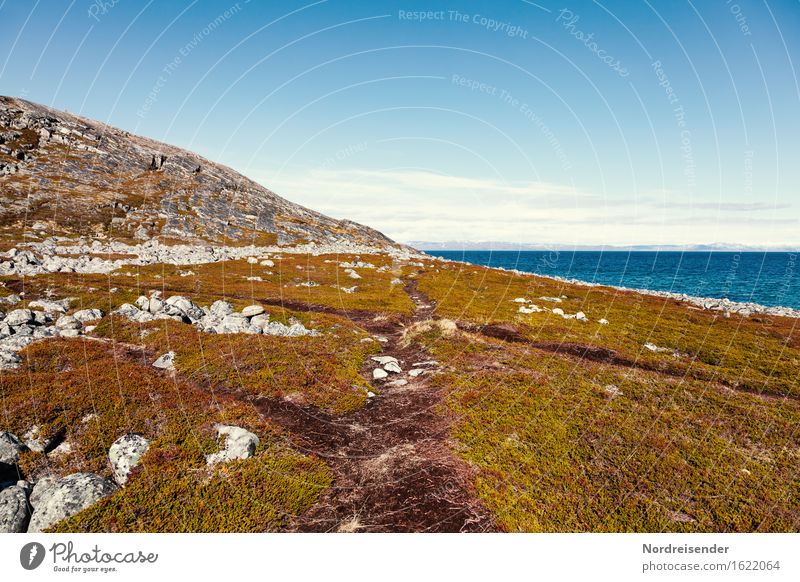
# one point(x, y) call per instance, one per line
point(31, 507)
point(29, 263)
point(27, 506)
point(220, 317)
point(41, 319)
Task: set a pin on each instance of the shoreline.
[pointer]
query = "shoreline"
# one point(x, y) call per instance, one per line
point(706, 303)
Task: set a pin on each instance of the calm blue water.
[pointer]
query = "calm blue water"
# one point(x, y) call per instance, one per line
point(765, 278)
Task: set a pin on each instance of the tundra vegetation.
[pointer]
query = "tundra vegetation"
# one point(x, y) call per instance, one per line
point(289, 372)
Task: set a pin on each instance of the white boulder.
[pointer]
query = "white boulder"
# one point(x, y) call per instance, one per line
point(125, 454)
point(165, 361)
point(239, 444)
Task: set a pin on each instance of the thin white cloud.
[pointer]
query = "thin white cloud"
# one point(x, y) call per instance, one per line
point(412, 204)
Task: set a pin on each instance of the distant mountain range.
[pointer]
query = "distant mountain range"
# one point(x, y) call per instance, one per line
point(509, 246)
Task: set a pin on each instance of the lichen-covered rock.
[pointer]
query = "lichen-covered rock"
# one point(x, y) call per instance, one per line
point(239, 444)
point(234, 323)
point(14, 510)
point(221, 308)
point(50, 306)
point(85, 315)
point(9, 360)
point(252, 310)
point(34, 439)
point(66, 497)
point(125, 454)
point(67, 322)
point(42, 488)
point(165, 361)
point(127, 310)
point(19, 317)
point(10, 448)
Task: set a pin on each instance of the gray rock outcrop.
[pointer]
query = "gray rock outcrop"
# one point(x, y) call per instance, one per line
point(14, 510)
point(66, 497)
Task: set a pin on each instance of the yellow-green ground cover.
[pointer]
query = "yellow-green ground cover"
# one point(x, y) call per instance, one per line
point(569, 425)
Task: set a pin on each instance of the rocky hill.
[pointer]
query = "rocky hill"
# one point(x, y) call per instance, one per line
point(73, 176)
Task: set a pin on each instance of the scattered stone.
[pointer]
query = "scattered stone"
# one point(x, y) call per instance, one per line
point(356, 265)
point(65, 498)
point(379, 374)
point(382, 360)
point(19, 317)
point(239, 444)
point(64, 448)
point(85, 315)
point(425, 363)
point(125, 454)
point(552, 299)
point(400, 382)
point(603, 321)
point(11, 299)
point(69, 332)
point(654, 348)
point(165, 361)
point(393, 367)
point(252, 310)
point(581, 316)
point(221, 308)
point(9, 360)
point(612, 390)
point(558, 311)
point(67, 322)
point(34, 440)
point(155, 304)
point(416, 372)
point(48, 306)
point(260, 320)
point(530, 309)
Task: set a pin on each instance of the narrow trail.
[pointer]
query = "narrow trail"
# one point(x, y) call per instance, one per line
point(394, 470)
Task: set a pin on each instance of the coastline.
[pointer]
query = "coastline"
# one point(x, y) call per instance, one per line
point(744, 309)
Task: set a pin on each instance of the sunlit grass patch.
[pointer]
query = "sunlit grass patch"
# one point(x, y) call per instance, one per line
point(568, 445)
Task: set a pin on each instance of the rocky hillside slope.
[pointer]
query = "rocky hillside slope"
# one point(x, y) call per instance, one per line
point(69, 176)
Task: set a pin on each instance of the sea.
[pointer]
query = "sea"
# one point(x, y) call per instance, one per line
point(766, 278)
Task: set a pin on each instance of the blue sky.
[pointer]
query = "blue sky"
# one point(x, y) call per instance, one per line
point(613, 122)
